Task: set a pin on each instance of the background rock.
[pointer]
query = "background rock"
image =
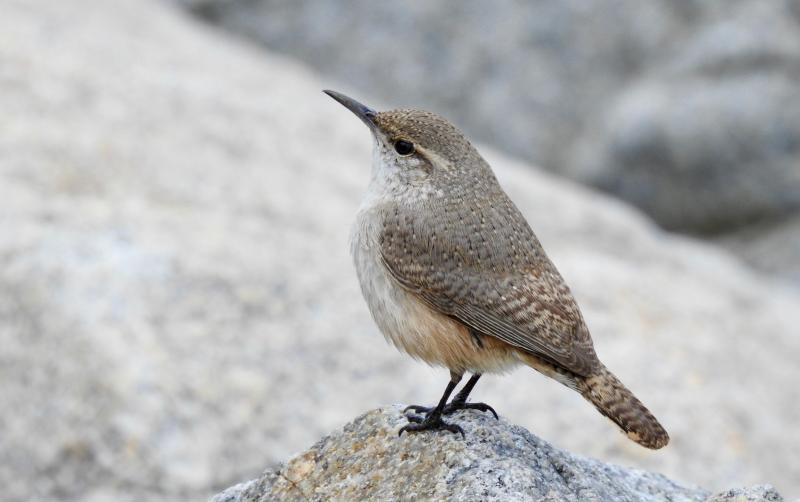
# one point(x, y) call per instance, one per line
point(178, 309)
point(690, 110)
point(709, 141)
point(496, 461)
point(773, 248)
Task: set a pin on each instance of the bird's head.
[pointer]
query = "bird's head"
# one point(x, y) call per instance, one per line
point(416, 149)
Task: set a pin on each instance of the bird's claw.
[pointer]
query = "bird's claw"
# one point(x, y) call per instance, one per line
point(417, 409)
point(430, 423)
point(473, 406)
point(452, 408)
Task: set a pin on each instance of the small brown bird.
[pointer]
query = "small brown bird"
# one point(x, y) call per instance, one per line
point(454, 275)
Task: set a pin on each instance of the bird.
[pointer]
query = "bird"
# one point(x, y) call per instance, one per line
point(453, 275)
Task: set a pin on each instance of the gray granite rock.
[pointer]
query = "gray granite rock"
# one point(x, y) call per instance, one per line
point(708, 142)
point(758, 493)
point(497, 462)
point(178, 309)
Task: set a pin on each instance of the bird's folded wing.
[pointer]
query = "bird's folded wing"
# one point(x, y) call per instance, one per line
point(533, 312)
point(492, 275)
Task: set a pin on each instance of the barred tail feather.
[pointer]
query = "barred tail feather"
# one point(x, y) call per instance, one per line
point(615, 401)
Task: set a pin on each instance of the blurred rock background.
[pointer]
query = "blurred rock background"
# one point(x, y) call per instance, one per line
point(689, 110)
point(177, 306)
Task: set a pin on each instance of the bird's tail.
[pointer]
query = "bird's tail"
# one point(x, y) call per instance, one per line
point(614, 400)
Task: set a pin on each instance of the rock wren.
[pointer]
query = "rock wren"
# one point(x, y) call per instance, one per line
point(453, 274)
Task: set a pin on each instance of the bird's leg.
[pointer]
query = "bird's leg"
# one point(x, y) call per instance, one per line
point(460, 401)
point(433, 419)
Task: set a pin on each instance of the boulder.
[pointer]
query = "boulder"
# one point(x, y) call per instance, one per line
point(496, 461)
point(709, 142)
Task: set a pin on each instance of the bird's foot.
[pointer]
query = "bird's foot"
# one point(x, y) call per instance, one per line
point(431, 422)
point(452, 408)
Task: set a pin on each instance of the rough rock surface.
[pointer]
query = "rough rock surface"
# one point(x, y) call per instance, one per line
point(497, 461)
point(758, 493)
point(690, 110)
point(178, 308)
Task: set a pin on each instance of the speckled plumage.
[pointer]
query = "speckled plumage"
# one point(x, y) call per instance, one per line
point(454, 275)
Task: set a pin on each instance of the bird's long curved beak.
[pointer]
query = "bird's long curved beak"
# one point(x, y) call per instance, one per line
point(365, 113)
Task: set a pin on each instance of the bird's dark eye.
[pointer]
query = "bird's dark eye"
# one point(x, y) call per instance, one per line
point(403, 147)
